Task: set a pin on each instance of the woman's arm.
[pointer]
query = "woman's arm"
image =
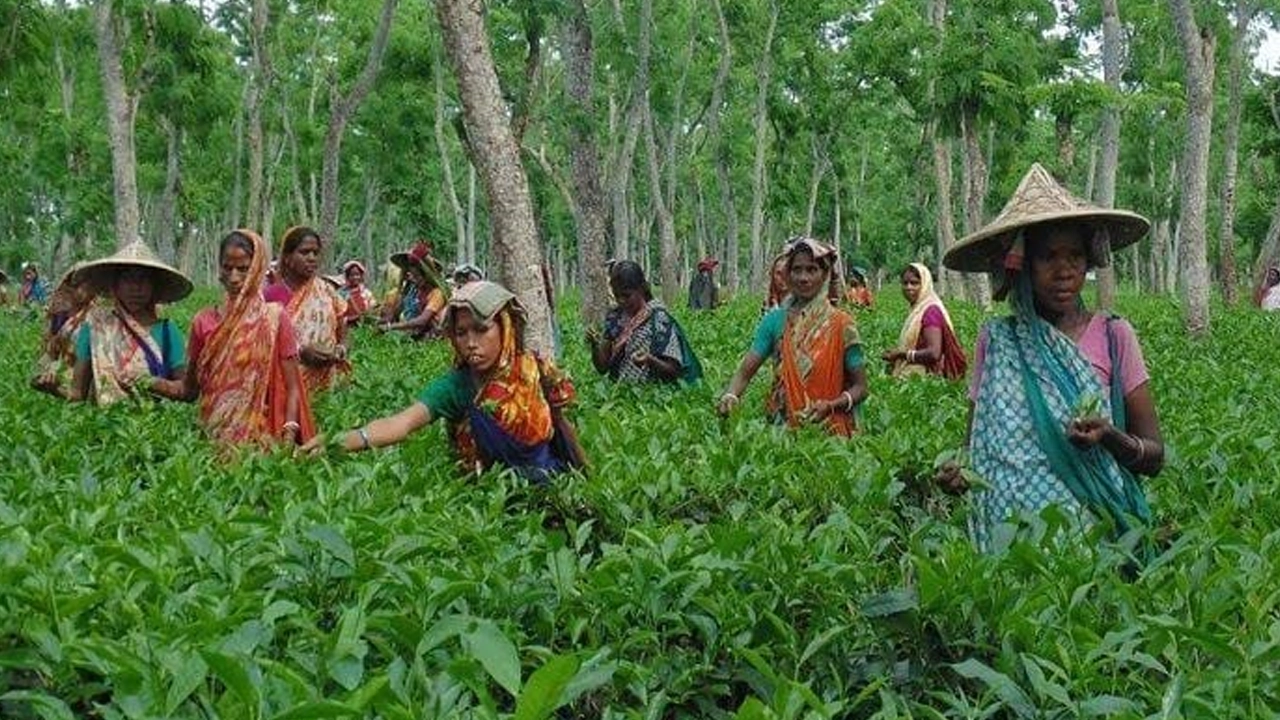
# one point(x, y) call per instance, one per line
point(601, 351)
point(747, 369)
point(183, 388)
point(421, 322)
point(292, 391)
point(383, 431)
point(1141, 449)
point(855, 391)
point(81, 380)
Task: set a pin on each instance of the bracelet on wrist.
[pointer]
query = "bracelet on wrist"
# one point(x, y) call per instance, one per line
point(364, 438)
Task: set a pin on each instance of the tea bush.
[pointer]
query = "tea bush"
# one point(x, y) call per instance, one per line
point(704, 567)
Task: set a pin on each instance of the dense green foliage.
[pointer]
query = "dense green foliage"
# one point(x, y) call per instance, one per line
point(856, 91)
point(704, 568)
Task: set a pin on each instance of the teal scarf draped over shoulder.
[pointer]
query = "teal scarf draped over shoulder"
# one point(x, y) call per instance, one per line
point(1033, 378)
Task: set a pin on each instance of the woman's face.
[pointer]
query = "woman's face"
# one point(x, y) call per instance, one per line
point(304, 261)
point(417, 277)
point(1273, 277)
point(233, 269)
point(1059, 262)
point(29, 274)
point(134, 291)
point(355, 277)
point(478, 343)
point(911, 285)
point(806, 276)
point(631, 300)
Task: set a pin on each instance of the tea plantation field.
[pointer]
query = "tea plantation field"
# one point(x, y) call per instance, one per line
point(703, 569)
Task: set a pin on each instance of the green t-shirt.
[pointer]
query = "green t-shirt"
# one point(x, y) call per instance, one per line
point(769, 334)
point(449, 395)
point(164, 332)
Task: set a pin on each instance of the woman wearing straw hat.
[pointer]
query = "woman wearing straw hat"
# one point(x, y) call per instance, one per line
point(503, 404)
point(315, 309)
point(244, 358)
point(421, 296)
point(1061, 411)
point(124, 347)
point(819, 373)
point(927, 343)
point(69, 305)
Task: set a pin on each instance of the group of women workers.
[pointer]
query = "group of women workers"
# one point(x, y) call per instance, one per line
point(1033, 370)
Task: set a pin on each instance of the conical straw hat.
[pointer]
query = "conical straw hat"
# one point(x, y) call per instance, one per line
point(1039, 199)
point(169, 284)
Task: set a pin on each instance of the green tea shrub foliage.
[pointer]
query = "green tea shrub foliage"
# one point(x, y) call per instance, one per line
point(704, 568)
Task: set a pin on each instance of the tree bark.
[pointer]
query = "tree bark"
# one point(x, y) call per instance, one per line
point(122, 107)
point(974, 171)
point(167, 226)
point(446, 165)
point(259, 84)
point(589, 216)
point(516, 248)
point(720, 151)
point(1231, 151)
point(763, 70)
point(343, 109)
point(1198, 48)
point(1112, 51)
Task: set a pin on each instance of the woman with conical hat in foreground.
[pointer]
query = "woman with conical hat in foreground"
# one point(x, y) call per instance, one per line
point(819, 373)
point(122, 347)
point(69, 305)
point(317, 312)
point(244, 358)
point(503, 403)
point(927, 343)
point(1061, 409)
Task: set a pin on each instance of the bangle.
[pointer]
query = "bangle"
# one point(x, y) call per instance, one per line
point(729, 396)
point(291, 426)
point(364, 438)
point(911, 357)
point(1142, 450)
point(848, 399)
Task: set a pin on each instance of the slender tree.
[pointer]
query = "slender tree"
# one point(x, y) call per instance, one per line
point(1193, 264)
point(496, 156)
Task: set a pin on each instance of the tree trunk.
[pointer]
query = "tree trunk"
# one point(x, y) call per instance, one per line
point(720, 151)
point(818, 153)
point(167, 226)
point(1193, 263)
point(666, 225)
point(471, 209)
point(259, 84)
point(343, 109)
point(763, 69)
point(121, 109)
point(463, 251)
point(516, 252)
point(1112, 51)
point(974, 171)
point(589, 219)
point(944, 211)
point(1231, 151)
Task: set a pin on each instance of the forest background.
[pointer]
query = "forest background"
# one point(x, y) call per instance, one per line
point(663, 133)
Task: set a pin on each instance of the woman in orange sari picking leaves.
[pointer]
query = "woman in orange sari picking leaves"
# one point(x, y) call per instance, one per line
point(243, 358)
point(315, 309)
point(503, 403)
point(819, 373)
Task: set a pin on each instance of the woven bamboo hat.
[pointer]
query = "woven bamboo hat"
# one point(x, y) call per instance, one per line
point(1039, 199)
point(169, 284)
